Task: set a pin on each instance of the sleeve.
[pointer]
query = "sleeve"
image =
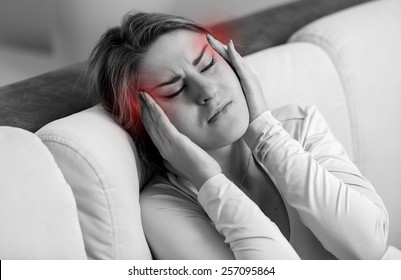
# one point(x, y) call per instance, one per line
point(249, 232)
point(317, 178)
point(176, 227)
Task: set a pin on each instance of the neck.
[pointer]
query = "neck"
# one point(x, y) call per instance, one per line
point(233, 159)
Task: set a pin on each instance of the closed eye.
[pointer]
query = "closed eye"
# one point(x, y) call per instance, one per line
point(177, 92)
point(212, 62)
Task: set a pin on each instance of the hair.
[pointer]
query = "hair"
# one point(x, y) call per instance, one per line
point(113, 73)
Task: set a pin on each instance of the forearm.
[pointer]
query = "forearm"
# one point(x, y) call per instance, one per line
point(349, 220)
point(249, 232)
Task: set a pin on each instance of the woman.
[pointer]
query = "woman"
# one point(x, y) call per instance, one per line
point(231, 179)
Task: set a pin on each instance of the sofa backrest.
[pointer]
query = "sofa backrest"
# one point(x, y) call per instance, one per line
point(303, 73)
point(364, 44)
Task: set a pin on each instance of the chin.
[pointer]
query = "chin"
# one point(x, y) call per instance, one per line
point(228, 134)
point(238, 130)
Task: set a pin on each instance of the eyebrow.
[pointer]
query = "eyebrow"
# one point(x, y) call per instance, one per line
point(199, 58)
point(176, 78)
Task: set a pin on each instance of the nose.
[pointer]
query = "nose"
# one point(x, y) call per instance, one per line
point(205, 90)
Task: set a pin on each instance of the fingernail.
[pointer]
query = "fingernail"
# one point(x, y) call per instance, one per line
point(142, 96)
point(230, 46)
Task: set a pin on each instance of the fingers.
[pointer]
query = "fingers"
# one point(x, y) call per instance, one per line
point(249, 81)
point(230, 54)
point(156, 114)
point(237, 61)
point(235, 58)
point(151, 109)
point(155, 120)
point(219, 47)
point(148, 119)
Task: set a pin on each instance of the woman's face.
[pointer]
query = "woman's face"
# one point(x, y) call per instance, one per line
point(196, 88)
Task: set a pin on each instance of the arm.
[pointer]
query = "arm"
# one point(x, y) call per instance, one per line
point(317, 178)
point(177, 230)
point(177, 227)
point(249, 232)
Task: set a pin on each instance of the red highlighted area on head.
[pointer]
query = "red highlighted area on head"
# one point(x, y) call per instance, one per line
point(223, 33)
point(172, 56)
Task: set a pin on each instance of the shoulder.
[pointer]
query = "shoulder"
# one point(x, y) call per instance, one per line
point(176, 226)
point(301, 121)
point(156, 184)
point(160, 194)
point(293, 112)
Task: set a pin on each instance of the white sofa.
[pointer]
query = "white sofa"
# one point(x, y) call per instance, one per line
point(348, 64)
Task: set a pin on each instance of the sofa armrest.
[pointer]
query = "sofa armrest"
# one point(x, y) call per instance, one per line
point(99, 161)
point(392, 253)
point(38, 214)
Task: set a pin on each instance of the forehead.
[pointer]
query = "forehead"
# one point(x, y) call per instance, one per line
point(169, 53)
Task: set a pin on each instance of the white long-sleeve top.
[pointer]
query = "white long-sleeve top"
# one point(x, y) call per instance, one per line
point(333, 210)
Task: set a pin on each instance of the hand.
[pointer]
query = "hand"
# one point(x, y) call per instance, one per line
point(249, 81)
point(182, 156)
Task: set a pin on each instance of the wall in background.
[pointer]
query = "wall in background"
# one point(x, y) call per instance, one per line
point(79, 24)
point(66, 30)
point(26, 23)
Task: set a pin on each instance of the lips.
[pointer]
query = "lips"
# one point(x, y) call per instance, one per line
point(216, 112)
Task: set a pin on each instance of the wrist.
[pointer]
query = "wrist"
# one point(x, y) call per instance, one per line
point(255, 115)
point(204, 177)
point(256, 111)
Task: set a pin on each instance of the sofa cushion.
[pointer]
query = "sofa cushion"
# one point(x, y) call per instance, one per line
point(364, 44)
point(303, 73)
point(38, 214)
point(99, 161)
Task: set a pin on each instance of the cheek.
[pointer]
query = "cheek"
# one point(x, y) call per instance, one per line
point(225, 71)
point(229, 80)
point(175, 112)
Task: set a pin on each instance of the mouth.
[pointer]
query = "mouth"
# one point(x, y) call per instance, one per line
point(219, 111)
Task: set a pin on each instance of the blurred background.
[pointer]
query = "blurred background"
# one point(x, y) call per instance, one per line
point(37, 36)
